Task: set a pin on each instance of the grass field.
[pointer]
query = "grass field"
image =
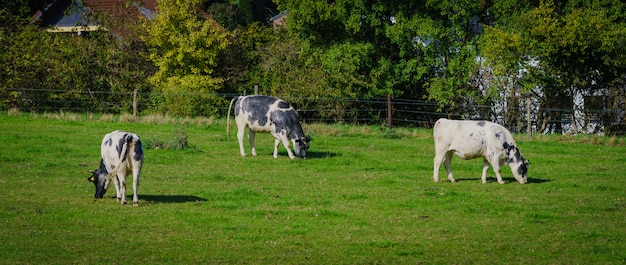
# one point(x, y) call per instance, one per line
point(364, 195)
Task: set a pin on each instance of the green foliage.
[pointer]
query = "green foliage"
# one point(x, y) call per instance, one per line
point(22, 9)
point(83, 69)
point(189, 95)
point(454, 53)
point(185, 47)
point(563, 49)
point(227, 14)
point(179, 142)
point(238, 63)
point(415, 49)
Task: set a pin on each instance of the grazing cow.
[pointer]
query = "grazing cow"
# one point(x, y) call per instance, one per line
point(268, 114)
point(474, 139)
point(122, 154)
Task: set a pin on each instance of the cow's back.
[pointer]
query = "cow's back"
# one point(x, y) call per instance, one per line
point(255, 109)
point(469, 138)
point(120, 149)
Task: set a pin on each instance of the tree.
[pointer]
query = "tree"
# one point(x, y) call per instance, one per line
point(574, 48)
point(20, 8)
point(419, 49)
point(185, 46)
point(55, 71)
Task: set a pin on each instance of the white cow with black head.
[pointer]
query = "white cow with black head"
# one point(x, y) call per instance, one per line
point(269, 114)
point(474, 139)
point(122, 154)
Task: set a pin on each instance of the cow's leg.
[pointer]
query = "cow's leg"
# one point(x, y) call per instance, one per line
point(136, 174)
point(122, 188)
point(241, 131)
point(438, 158)
point(288, 147)
point(485, 168)
point(116, 183)
point(251, 135)
point(446, 158)
point(495, 163)
point(447, 161)
point(276, 144)
point(107, 182)
point(282, 137)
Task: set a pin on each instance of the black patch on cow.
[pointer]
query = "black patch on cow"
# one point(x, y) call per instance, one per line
point(507, 149)
point(506, 146)
point(481, 123)
point(478, 136)
point(283, 105)
point(109, 142)
point(523, 169)
point(98, 179)
point(138, 151)
point(498, 135)
point(516, 157)
point(285, 119)
point(257, 106)
point(120, 146)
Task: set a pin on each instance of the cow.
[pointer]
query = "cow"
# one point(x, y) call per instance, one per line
point(121, 154)
point(268, 114)
point(474, 139)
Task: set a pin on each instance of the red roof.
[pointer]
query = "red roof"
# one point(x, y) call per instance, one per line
point(119, 13)
point(116, 15)
point(79, 15)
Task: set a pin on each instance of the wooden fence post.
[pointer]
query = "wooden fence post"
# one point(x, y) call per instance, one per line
point(135, 103)
point(529, 127)
point(256, 89)
point(389, 123)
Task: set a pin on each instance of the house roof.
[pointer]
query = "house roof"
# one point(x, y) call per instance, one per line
point(89, 15)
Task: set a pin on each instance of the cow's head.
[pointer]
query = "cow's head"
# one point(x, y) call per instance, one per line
point(100, 179)
point(519, 165)
point(300, 145)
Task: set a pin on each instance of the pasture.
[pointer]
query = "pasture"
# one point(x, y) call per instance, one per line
point(364, 195)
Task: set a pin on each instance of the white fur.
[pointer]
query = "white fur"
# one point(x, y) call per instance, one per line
point(469, 140)
point(118, 169)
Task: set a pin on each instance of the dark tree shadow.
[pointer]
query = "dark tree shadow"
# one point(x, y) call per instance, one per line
point(170, 198)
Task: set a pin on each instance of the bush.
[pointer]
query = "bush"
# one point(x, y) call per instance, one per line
point(179, 142)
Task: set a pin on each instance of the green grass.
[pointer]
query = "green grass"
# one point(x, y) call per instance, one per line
point(361, 197)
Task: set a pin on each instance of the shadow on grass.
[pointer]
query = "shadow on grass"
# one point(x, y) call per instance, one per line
point(507, 180)
point(313, 154)
point(170, 198)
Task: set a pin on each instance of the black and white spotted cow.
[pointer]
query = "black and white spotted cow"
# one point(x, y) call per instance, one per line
point(269, 114)
point(474, 139)
point(122, 154)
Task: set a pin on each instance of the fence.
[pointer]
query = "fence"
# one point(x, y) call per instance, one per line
point(521, 118)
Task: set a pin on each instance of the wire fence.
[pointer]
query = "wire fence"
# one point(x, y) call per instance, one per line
point(526, 117)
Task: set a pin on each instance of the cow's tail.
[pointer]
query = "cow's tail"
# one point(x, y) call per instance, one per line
point(126, 147)
point(228, 117)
